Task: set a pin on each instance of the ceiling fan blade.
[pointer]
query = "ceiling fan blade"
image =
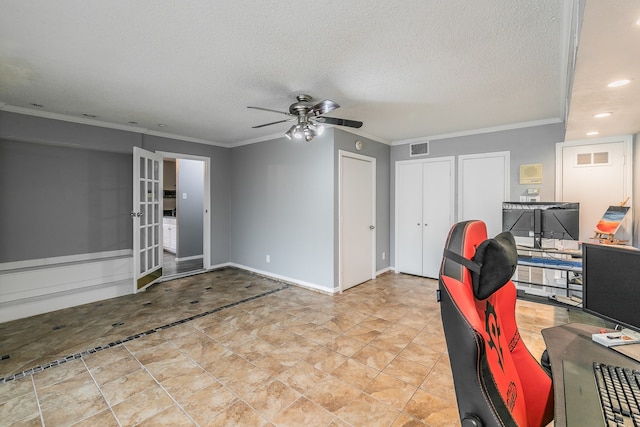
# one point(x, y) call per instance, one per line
point(273, 111)
point(339, 122)
point(323, 107)
point(272, 123)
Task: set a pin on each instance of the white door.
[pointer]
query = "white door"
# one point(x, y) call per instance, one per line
point(357, 225)
point(424, 214)
point(147, 218)
point(597, 174)
point(437, 214)
point(409, 218)
point(483, 184)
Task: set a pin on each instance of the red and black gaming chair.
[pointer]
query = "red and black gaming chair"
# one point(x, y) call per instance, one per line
point(497, 381)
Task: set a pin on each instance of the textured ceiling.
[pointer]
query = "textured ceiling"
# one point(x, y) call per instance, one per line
point(406, 68)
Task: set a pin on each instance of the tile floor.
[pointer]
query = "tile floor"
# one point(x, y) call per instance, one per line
point(254, 352)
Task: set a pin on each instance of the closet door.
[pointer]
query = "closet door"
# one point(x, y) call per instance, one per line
point(437, 213)
point(409, 218)
point(424, 214)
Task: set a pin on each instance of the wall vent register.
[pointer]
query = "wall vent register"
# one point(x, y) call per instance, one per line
point(419, 149)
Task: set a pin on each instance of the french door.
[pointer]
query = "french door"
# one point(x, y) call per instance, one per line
point(147, 218)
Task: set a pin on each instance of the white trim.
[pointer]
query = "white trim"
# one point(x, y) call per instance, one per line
point(206, 227)
point(365, 135)
point(219, 266)
point(384, 270)
point(256, 140)
point(185, 138)
point(46, 286)
point(341, 155)
point(43, 262)
point(570, 38)
point(100, 123)
point(279, 277)
point(478, 131)
point(189, 258)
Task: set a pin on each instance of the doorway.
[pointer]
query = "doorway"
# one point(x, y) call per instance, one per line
point(357, 219)
point(185, 215)
point(597, 173)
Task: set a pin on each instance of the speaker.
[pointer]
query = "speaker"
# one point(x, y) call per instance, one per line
point(531, 174)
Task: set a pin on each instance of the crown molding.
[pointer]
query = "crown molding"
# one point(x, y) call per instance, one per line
point(478, 131)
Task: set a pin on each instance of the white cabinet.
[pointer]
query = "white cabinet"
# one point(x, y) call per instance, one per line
point(169, 234)
point(424, 214)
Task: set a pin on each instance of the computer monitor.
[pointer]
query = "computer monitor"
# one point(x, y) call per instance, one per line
point(542, 220)
point(611, 289)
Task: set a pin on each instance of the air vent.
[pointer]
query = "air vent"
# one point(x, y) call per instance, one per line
point(419, 149)
point(583, 159)
point(601, 158)
point(588, 159)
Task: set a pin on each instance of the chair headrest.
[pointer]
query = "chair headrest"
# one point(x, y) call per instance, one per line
point(498, 260)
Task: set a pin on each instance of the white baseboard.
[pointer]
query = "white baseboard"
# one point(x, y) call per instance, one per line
point(189, 258)
point(384, 270)
point(297, 282)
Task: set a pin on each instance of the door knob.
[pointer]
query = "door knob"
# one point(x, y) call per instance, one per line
point(371, 227)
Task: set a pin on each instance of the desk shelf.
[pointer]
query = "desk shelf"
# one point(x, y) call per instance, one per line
point(550, 273)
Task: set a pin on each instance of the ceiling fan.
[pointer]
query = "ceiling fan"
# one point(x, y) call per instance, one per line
point(309, 118)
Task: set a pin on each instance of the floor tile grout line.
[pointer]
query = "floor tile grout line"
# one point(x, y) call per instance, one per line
point(35, 392)
point(79, 355)
point(195, 362)
point(101, 393)
point(159, 384)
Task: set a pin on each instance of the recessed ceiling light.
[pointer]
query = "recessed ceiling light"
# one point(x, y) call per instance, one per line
point(638, 22)
point(133, 123)
point(600, 115)
point(619, 83)
point(594, 132)
point(162, 125)
point(37, 105)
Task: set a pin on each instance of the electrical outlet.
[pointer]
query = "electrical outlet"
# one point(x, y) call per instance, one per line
point(383, 255)
point(268, 258)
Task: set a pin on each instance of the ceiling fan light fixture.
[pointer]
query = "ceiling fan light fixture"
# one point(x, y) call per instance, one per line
point(298, 131)
point(289, 133)
point(319, 129)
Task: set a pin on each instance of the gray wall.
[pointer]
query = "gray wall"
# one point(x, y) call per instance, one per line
point(190, 212)
point(59, 201)
point(346, 141)
point(529, 145)
point(282, 205)
point(73, 194)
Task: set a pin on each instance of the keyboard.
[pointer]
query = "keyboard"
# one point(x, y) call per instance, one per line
point(619, 390)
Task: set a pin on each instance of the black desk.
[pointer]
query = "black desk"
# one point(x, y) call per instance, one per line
point(573, 342)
